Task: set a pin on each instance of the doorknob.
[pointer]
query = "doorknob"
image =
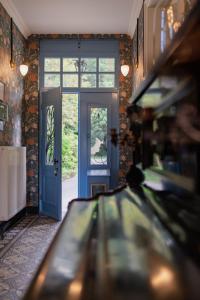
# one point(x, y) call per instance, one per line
point(56, 171)
point(56, 167)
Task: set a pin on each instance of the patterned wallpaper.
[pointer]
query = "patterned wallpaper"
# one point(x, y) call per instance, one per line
point(14, 83)
point(31, 105)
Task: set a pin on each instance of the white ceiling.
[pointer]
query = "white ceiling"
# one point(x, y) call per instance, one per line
point(73, 16)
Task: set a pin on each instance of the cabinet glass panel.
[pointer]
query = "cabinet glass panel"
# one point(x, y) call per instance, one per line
point(98, 135)
point(50, 135)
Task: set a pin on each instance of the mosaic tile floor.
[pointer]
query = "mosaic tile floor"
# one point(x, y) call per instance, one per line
point(20, 258)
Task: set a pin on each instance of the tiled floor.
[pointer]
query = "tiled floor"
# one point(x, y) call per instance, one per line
point(22, 257)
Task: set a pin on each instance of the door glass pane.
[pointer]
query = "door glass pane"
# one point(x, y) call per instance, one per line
point(51, 80)
point(88, 80)
point(106, 80)
point(52, 64)
point(106, 65)
point(88, 64)
point(98, 134)
point(70, 64)
point(70, 80)
point(50, 135)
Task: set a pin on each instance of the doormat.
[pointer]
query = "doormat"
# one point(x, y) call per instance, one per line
point(15, 232)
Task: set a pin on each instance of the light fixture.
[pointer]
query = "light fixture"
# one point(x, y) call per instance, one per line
point(23, 66)
point(125, 70)
point(23, 69)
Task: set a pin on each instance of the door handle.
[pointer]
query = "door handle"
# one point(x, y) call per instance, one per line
point(55, 167)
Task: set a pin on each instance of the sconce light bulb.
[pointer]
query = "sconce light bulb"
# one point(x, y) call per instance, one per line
point(23, 69)
point(125, 70)
point(12, 64)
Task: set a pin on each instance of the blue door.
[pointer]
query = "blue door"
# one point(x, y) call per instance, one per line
point(50, 153)
point(98, 158)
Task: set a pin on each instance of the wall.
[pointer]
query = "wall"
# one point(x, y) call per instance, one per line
point(32, 102)
point(14, 83)
point(138, 52)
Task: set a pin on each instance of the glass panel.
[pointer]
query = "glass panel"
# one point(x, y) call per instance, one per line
point(106, 65)
point(88, 64)
point(70, 80)
point(98, 142)
point(52, 80)
point(52, 64)
point(69, 137)
point(88, 80)
point(50, 135)
point(70, 64)
point(162, 88)
point(106, 80)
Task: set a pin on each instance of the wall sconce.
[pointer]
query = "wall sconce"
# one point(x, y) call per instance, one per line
point(23, 66)
point(125, 70)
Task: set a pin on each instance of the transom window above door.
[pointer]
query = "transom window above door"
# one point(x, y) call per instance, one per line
point(84, 72)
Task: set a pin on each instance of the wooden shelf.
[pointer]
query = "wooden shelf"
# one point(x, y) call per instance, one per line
point(183, 49)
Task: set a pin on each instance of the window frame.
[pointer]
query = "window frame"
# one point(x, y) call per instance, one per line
point(62, 55)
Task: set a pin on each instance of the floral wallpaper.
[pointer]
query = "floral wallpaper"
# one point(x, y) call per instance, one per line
point(125, 92)
point(138, 52)
point(32, 102)
point(12, 135)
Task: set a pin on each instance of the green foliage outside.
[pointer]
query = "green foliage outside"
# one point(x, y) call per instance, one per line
point(69, 135)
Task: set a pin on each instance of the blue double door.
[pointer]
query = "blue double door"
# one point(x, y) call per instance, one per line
point(97, 157)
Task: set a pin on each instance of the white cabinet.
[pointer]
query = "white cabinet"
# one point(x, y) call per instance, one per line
point(12, 181)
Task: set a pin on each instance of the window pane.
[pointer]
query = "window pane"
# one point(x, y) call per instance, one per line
point(88, 80)
point(50, 135)
point(106, 65)
point(106, 80)
point(98, 142)
point(52, 80)
point(52, 64)
point(70, 80)
point(88, 64)
point(70, 64)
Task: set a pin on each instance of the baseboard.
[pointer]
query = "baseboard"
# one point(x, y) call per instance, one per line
point(32, 210)
point(6, 224)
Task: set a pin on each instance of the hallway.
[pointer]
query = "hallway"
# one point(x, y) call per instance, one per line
point(69, 192)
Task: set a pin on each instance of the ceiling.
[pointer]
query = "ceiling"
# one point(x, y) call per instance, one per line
point(73, 16)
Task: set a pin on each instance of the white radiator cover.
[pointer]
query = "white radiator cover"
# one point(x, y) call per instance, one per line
point(12, 181)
